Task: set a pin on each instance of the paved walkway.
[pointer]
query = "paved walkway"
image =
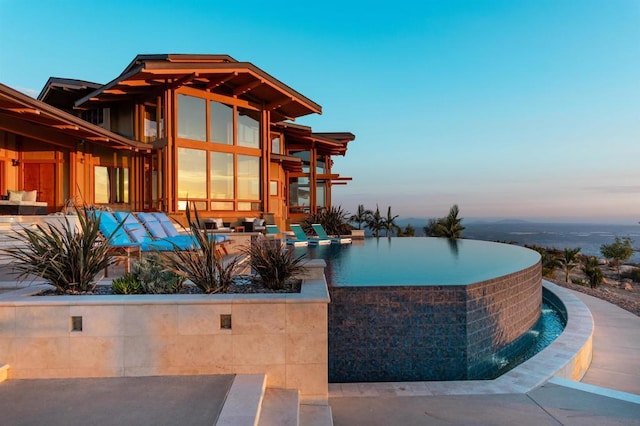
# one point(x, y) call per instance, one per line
point(616, 346)
point(616, 366)
point(167, 400)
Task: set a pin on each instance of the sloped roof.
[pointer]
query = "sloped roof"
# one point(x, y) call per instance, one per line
point(215, 73)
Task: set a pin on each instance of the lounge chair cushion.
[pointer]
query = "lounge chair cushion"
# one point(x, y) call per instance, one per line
point(166, 223)
point(152, 224)
point(108, 225)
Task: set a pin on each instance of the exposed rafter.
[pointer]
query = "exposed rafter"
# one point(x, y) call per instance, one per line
point(220, 81)
point(241, 90)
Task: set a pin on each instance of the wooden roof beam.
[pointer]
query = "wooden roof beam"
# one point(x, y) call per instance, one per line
point(24, 110)
point(66, 127)
point(183, 80)
point(220, 81)
point(278, 103)
point(241, 90)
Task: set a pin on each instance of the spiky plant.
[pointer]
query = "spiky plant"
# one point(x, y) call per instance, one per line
point(274, 263)
point(154, 277)
point(126, 284)
point(67, 258)
point(334, 220)
point(201, 265)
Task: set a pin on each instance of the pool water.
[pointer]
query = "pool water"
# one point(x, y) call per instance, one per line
point(419, 261)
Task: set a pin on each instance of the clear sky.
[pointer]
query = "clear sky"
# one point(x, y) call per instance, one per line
point(519, 109)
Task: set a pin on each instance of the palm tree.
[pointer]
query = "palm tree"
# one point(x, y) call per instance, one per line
point(389, 222)
point(361, 216)
point(431, 230)
point(569, 260)
point(592, 270)
point(450, 226)
point(375, 222)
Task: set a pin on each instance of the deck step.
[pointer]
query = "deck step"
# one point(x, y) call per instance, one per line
point(244, 401)
point(280, 407)
point(316, 415)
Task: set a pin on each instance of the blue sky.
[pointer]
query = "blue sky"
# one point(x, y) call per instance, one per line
point(519, 109)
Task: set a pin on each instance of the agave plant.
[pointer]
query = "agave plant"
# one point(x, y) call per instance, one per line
point(201, 265)
point(274, 263)
point(335, 220)
point(67, 258)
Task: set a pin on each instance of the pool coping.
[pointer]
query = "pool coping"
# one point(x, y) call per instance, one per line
point(567, 357)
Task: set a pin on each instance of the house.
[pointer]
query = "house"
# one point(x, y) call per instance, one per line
point(170, 130)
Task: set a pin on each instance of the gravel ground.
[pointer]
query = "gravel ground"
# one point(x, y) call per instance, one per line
point(627, 302)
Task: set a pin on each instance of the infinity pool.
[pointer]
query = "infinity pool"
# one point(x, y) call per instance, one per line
point(413, 309)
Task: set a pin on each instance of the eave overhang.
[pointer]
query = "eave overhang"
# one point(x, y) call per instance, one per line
point(30, 117)
point(288, 162)
point(302, 137)
point(214, 73)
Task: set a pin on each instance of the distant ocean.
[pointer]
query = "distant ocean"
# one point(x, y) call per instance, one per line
point(588, 237)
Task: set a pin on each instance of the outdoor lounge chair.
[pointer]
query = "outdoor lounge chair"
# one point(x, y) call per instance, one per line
point(319, 230)
point(161, 228)
point(301, 236)
point(273, 231)
point(121, 245)
point(140, 235)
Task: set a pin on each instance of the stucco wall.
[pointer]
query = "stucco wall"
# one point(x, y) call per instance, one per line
point(284, 336)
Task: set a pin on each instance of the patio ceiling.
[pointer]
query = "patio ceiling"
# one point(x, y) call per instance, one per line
point(215, 73)
point(23, 115)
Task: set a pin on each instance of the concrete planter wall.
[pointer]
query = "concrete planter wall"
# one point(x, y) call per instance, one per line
point(282, 335)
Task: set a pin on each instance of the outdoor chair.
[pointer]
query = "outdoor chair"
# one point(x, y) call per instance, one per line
point(161, 228)
point(301, 236)
point(121, 245)
point(140, 235)
point(319, 230)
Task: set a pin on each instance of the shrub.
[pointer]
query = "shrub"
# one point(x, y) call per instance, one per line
point(632, 274)
point(274, 263)
point(334, 220)
point(202, 265)
point(127, 284)
point(154, 277)
point(66, 257)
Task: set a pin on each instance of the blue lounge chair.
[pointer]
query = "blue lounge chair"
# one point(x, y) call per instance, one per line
point(121, 245)
point(139, 234)
point(301, 236)
point(170, 228)
point(319, 230)
point(273, 231)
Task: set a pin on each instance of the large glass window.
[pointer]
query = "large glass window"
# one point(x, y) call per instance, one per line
point(305, 156)
point(192, 118)
point(221, 176)
point(192, 173)
point(150, 122)
point(299, 193)
point(248, 129)
point(275, 144)
point(321, 166)
point(248, 177)
point(221, 123)
point(320, 193)
point(111, 185)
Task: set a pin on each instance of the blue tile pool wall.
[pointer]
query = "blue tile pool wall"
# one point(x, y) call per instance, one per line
point(417, 333)
point(499, 313)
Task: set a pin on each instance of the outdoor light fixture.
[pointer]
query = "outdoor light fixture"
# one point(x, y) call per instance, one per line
point(14, 162)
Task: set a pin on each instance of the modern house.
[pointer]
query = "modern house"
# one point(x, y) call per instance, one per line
point(171, 130)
